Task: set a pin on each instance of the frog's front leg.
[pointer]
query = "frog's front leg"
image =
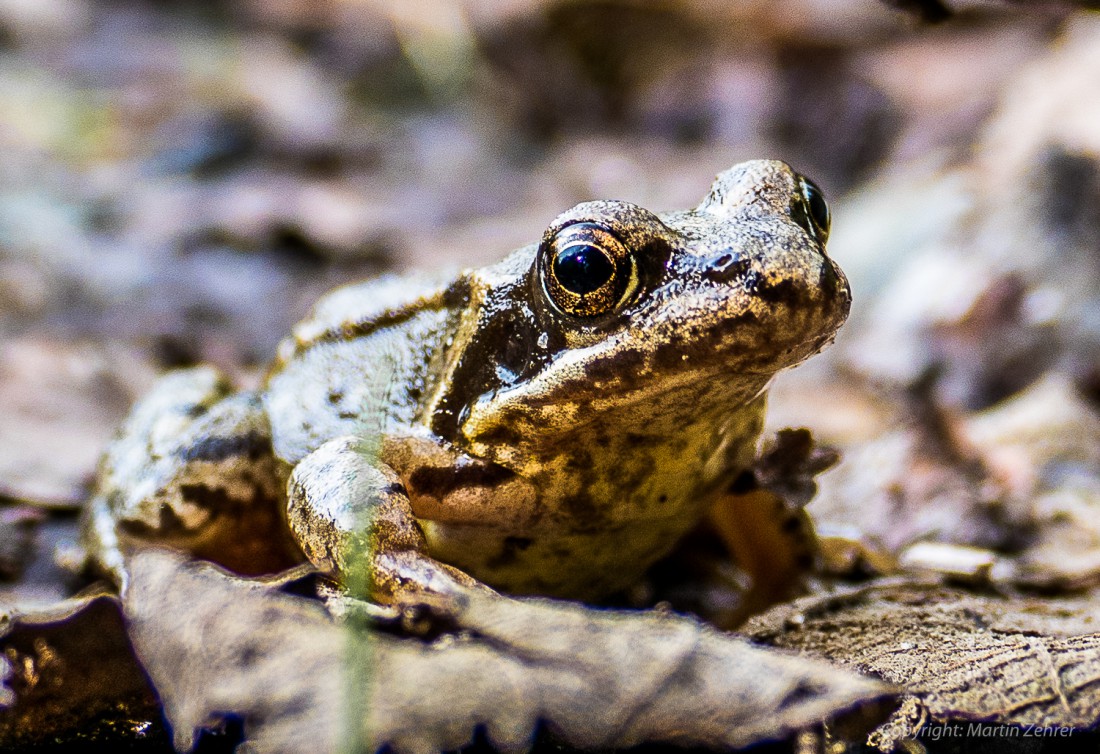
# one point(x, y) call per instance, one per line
point(193, 469)
point(352, 517)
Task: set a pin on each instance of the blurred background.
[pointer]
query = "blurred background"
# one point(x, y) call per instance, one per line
point(179, 181)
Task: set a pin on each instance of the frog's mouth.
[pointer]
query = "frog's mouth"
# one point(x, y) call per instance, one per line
point(512, 424)
point(796, 321)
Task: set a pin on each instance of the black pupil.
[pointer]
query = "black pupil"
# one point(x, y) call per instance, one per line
point(582, 269)
point(819, 210)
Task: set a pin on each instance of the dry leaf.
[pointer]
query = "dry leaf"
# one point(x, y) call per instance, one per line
point(1045, 446)
point(214, 644)
point(1024, 662)
point(1020, 481)
point(61, 403)
point(918, 482)
point(18, 525)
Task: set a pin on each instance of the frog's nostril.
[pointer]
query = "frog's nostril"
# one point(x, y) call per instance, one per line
point(725, 267)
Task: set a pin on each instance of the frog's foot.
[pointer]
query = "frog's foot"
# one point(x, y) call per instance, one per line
point(772, 542)
point(763, 521)
point(352, 518)
point(192, 469)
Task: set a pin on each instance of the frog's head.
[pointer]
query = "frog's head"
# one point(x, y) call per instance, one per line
point(620, 311)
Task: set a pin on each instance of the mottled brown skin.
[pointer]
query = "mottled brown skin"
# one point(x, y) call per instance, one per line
point(538, 444)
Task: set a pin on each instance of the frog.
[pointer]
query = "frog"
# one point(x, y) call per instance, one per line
point(550, 424)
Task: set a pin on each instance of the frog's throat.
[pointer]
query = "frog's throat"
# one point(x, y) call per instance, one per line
point(515, 423)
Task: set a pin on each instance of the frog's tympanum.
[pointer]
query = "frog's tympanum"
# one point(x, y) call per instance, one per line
point(550, 424)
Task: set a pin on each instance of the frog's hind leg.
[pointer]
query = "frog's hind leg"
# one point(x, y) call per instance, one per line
point(770, 541)
point(352, 517)
point(193, 469)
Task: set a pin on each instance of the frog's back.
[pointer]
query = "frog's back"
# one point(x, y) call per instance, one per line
point(361, 362)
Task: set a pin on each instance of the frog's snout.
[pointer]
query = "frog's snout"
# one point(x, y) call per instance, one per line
point(725, 267)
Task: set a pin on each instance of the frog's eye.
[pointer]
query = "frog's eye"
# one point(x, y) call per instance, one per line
point(811, 211)
point(586, 270)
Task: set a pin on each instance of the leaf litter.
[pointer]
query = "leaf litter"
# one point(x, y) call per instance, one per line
point(1028, 662)
point(985, 475)
point(596, 679)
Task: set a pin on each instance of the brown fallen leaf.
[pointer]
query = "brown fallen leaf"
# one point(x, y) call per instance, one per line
point(18, 524)
point(928, 11)
point(960, 656)
point(215, 644)
point(1019, 481)
point(921, 481)
point(70, 674)
point(1044, 445)
point(61, 403)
